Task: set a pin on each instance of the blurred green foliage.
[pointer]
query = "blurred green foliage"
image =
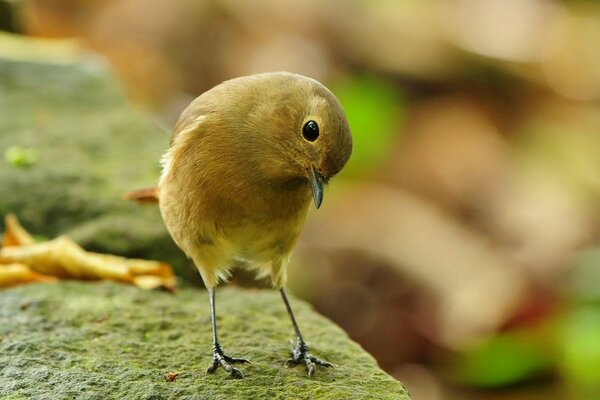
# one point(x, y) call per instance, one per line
point(375, 110)
point(21, 157)
point(579, 333)
point(569, 345)
point(503, 360)
point(580, 345)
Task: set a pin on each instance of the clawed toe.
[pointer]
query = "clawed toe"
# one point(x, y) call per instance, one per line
point(221, 359)
point(301, 355)
point(235, 360)
point(321, 363)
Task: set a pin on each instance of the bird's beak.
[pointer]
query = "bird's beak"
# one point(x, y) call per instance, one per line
point(317, 183)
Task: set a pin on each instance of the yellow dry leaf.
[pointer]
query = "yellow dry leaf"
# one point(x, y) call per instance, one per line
point(85, 265)
point(14, 233)
point(40, 257)
point(150, 282)
point(17, 274)
point(63, 258)
point(146, 274)
point(137, 266)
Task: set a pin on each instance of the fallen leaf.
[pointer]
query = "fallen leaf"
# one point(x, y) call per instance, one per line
point(14, 233)
point(171, 376)
point(17, 274)
point(150, 282)
point(63, 258)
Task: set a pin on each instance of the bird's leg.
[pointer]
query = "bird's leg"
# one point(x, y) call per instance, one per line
point(300, 353)
point(220, 358)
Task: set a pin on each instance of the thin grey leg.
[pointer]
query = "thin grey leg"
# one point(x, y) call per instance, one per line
point(219, 357)
point(300, 353)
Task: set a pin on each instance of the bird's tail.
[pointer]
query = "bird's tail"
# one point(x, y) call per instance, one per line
point(143, 196)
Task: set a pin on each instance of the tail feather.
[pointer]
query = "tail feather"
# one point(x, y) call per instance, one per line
point(143, 196)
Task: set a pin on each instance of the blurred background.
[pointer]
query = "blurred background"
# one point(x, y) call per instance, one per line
point(460, 246)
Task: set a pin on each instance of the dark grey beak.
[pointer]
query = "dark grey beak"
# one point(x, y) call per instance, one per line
point(317, 183)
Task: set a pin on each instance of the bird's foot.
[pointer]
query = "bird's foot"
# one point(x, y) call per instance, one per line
point(223, 360)
point(301, 355)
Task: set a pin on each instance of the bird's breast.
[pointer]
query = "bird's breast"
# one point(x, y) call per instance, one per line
point(217, 193)
point(267, 227)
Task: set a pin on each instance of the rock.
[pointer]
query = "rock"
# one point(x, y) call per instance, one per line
point(70, 146)
point(112, 341)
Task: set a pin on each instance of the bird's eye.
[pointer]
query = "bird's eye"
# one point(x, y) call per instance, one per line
point(310, 131)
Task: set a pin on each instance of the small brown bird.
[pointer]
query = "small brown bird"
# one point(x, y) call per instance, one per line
point(245, 159)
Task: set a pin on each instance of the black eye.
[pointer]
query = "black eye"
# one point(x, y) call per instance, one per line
point(310, 131)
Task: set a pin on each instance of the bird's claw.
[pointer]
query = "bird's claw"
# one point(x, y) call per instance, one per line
point(223, 360)
point(301, 355)
point(235, 360)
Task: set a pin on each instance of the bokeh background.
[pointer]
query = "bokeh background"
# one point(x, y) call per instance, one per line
point(460, 246)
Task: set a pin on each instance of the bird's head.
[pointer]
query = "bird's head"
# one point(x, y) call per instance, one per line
point(314, 139)
point(326, 141)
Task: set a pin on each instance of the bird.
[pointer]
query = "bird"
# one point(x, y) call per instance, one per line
point(246, 160)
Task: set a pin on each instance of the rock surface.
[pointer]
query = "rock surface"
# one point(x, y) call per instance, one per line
point(110, 341)
point(70, 146)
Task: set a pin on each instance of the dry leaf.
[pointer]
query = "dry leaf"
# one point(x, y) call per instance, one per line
point(171, 376)
point(15, 234)
point(154, 282)
point(17, 274)
point(137, 266)
point(63, 258)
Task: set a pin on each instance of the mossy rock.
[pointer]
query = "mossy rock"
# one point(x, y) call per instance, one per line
point(70, 146)
point(75, 340)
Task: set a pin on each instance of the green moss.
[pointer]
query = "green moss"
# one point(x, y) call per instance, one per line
point(112, 341)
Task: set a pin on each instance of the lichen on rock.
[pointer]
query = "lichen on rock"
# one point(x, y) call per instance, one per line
point(74, 340)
